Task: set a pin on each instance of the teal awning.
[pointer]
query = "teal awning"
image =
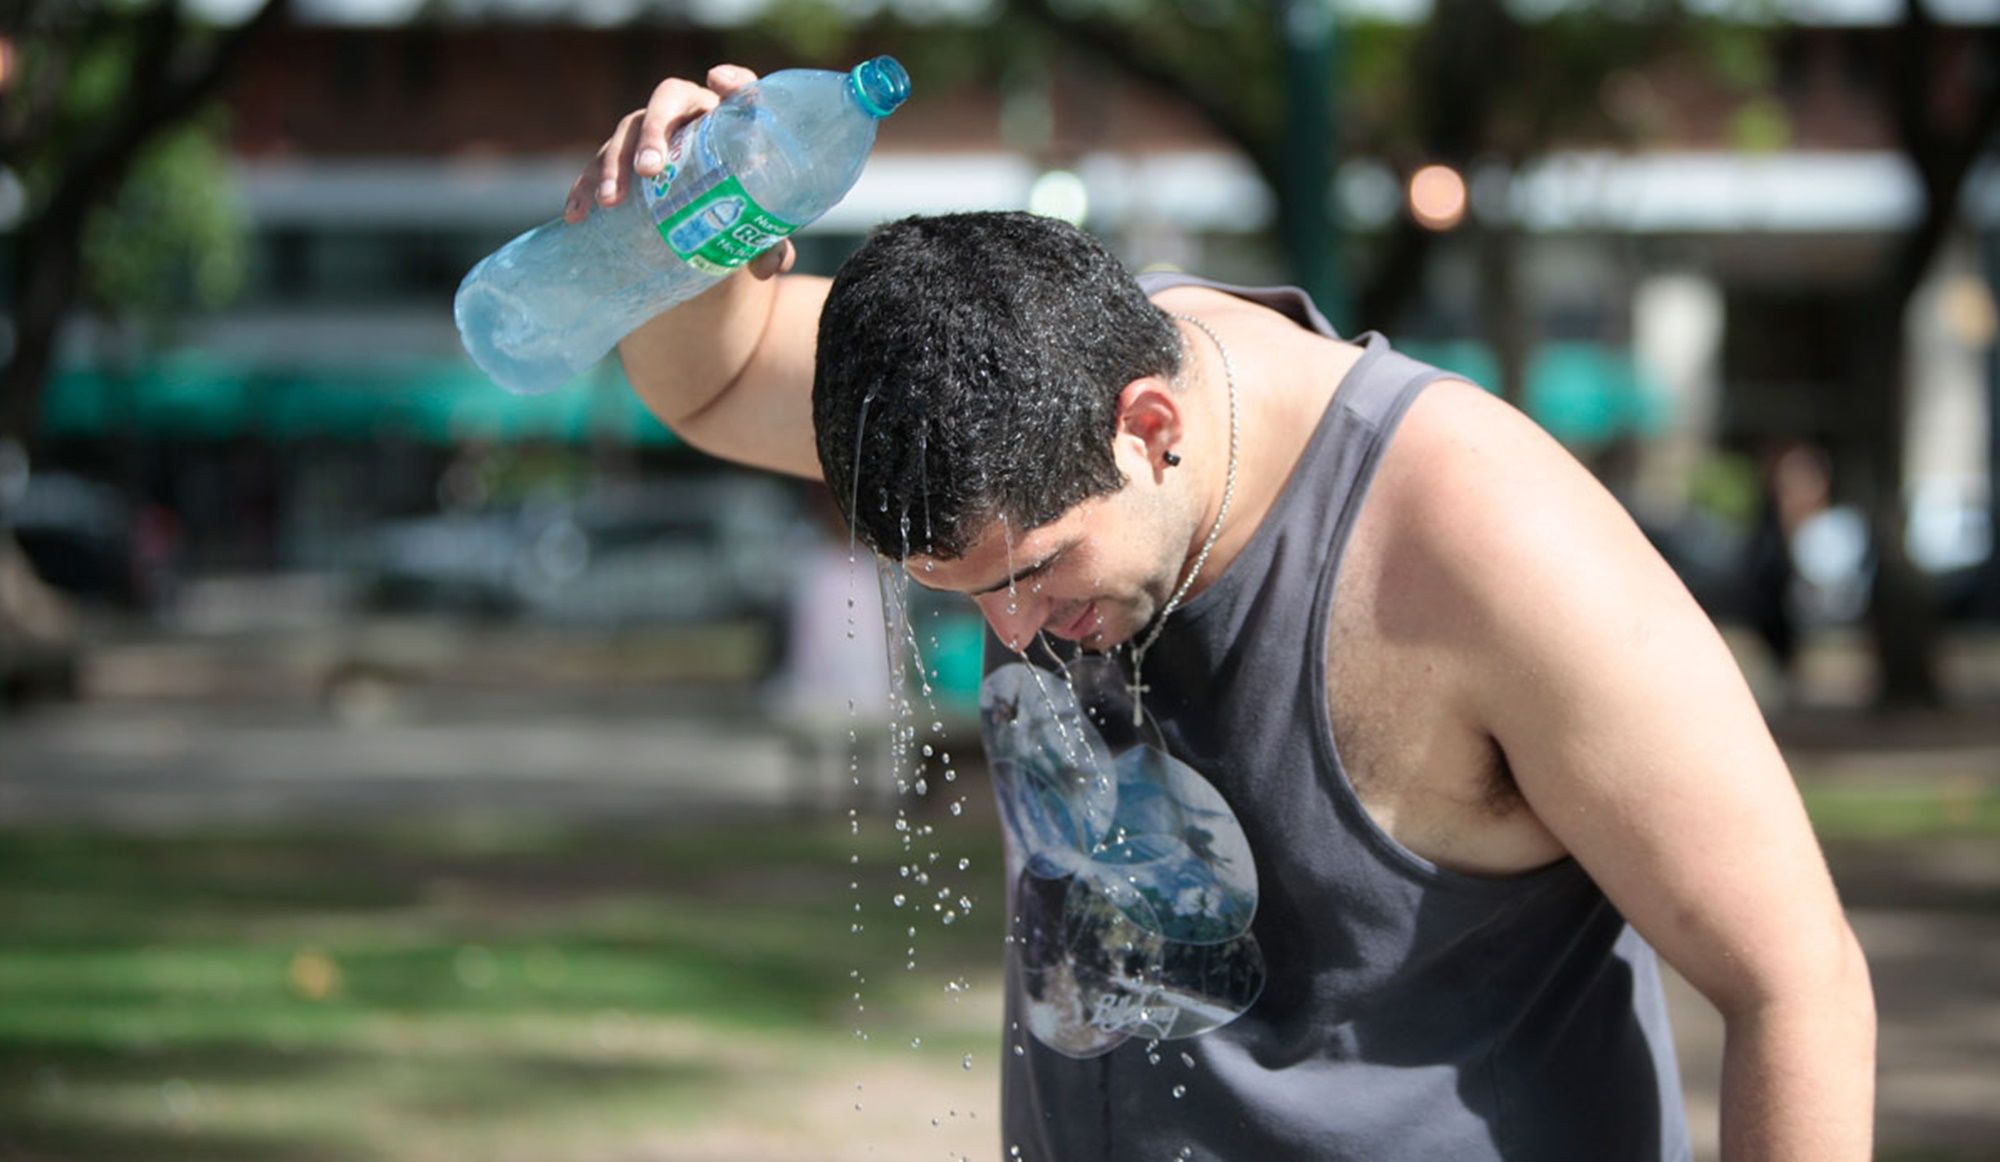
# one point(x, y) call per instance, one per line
point(1582, 393)
point(193, 394)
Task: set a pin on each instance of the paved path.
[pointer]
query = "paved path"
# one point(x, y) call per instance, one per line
point(169, 766)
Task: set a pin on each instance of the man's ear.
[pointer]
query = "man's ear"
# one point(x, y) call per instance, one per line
point(1149, 421)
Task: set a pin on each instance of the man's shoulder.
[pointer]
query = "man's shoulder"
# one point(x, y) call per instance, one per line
point(1477, 490)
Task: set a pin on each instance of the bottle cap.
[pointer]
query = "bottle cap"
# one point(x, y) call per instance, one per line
point(881, 85)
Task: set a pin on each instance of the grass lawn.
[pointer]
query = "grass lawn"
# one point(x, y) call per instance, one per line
point(1884, 811)
point(495, 993)
point(512, 992)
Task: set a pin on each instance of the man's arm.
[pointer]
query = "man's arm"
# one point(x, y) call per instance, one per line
point(1634, 738)
point(730, 371)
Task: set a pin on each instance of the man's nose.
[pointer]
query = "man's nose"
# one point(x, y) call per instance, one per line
point(1016, 617)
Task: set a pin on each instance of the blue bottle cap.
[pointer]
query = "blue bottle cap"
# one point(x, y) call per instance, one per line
point(881, 85)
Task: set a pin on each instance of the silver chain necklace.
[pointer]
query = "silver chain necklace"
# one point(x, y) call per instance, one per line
point(1214, 531)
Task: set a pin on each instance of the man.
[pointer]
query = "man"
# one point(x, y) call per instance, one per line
point(1340, 721)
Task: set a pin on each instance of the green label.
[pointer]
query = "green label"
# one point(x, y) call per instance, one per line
point(722, 229)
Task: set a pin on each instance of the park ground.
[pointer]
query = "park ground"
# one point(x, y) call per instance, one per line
point(580, 907)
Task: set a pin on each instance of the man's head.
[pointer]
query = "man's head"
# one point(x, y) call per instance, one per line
point(972, 374)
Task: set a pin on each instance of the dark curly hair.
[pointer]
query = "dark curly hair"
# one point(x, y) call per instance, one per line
point(968, 370)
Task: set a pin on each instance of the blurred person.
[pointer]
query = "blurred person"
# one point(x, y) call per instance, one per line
point(831, 689)
point(1796, 485)
point(1355, 751)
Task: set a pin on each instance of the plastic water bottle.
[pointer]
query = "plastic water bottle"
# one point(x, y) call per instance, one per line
point(771, 158)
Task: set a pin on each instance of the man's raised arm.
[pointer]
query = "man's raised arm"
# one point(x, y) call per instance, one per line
point(730, 371)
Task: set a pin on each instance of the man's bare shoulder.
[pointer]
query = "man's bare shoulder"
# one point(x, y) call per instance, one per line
point(1483, 493)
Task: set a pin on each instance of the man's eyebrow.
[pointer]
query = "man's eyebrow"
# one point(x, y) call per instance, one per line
point(1021, 575)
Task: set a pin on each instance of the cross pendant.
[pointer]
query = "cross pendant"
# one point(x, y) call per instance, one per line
point(1138, 708)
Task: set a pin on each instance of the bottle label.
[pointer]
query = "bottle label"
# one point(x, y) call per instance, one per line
point(703, 212)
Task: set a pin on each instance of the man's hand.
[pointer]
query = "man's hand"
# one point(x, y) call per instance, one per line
point(729, 370)
point(638, 148)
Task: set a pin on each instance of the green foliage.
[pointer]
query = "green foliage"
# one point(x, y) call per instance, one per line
point(1737, 55)
point(1376, 63)
point(809, 29)
point(1740, 58)
point(1920, 810)
point(1727, 486)
point(1760, 125)
point(175, 238)
point(172, 238)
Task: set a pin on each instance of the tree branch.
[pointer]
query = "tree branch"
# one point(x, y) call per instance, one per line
point(182, 82)
point(1121, 50)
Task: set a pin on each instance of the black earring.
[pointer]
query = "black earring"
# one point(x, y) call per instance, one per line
point(1171, 459)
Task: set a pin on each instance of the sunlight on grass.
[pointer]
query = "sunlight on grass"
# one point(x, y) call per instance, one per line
point(504, 993)
point(1922, 809)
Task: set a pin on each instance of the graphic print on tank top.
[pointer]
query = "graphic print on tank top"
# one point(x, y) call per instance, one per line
point(1134, 884)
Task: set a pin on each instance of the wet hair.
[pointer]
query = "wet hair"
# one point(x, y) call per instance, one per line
point(968, 370)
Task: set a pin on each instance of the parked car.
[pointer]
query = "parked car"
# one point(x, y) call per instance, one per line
point(79, 536)
point(706, 550)
point(40, 651)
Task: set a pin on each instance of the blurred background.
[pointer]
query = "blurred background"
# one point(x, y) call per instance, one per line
point(392, 768)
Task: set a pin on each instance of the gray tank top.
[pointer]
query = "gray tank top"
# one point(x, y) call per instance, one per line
point(1215, 953)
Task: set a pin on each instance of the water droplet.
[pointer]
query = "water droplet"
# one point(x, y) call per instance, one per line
point(928, 750)
point(1180, 1091)
point(958, 808)
point(964, 863)
point(1152, 1059)
point(1187, 1060)
point(916, 1042)
point(967, 1063)
point(1018, 1050)
point(897, 900)
point(950, 916)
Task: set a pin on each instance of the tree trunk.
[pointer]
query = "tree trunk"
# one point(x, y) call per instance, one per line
point(1945, 105)
point(47, 277)
point(168, 83)
point(1505, 315)
point(1902, 625)
point(1989, 597)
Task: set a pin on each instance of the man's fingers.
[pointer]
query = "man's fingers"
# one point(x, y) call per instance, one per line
point(726, 79)
point(599, 182)
point(639, 145)
point(674, 103)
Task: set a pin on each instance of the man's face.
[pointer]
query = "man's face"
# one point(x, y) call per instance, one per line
point(1096, 575)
